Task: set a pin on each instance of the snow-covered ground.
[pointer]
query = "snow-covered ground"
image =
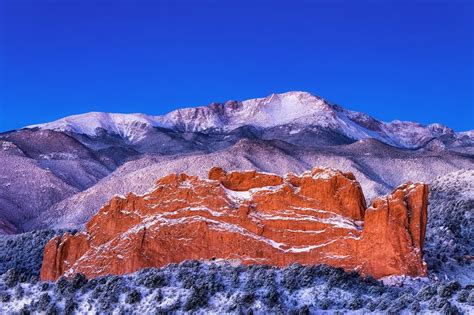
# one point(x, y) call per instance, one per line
point(220, 288)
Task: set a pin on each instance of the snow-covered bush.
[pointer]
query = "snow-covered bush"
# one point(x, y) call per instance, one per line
point(470, 298)
point(446, 290)
point(426, 292)
point(151, 278)
point(197, 298)
point(133, 297)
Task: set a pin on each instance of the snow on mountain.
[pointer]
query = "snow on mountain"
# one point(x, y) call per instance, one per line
point(298, 109)
point(277, 109)
point(125, 125)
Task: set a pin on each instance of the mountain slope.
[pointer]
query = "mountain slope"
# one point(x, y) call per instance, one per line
point(41, 168)
point(26, 188)
point(371, 169)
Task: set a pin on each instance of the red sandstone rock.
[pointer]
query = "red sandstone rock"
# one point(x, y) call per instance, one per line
point(318, 217)
point(242, 181)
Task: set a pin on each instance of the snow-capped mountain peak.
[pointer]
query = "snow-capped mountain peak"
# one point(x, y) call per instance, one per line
point(296, 109)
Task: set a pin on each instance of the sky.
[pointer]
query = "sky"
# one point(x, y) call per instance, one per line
point(407, 60)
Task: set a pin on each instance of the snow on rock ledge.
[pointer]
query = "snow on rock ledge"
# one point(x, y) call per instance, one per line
point(252, 217)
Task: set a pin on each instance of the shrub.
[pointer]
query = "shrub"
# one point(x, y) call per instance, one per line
point(106, 290)
point(376, 289)
point(191, 264)
point(325, 304)
point(211, 283)
point(303, 310)
point(197, 299)
point(296, 276)
point(160, 311)
point(344, 280)
point(371, 281)
point(436, 304)
point(188, 277)
point(70, 306)
point(454, 285)
point(104, 306)
point(63, 287)
point(232, 275)
point(158, 296)
point(234, 301)
point(402, 303)
point(449, 309)
point(44, 286)
point(43, 302)
point(259, 276)
point(355, 303)
point(25, 310)
point(426, 293)
point(447, 289)
point(470, 298)
point(415, 307)
point(383, 304)
point(90, 285)
point(153, 280)
point(133, 297)
point(78, 281)
point(97, 292)
point(52, 310)
point(33, 279)
point(371, 305)
point(246, 298)
point(5, 297)
point(462, 296)
point(11, 278)
point(272, 297)
point(111, 296)
point(19, 292)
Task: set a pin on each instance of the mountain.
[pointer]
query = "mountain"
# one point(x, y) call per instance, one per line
point(250, 217)
point(298, 112)
point(58, 174)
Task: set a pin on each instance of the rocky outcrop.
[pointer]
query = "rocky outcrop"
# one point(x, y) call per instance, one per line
point(250, 217)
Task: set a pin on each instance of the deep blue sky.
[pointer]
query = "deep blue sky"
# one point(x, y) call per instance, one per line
point(408, 60)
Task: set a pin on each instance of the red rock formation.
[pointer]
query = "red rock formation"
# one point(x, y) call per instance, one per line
point(318, 217)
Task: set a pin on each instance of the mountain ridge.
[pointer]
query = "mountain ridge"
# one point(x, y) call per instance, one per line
point(296, 109)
